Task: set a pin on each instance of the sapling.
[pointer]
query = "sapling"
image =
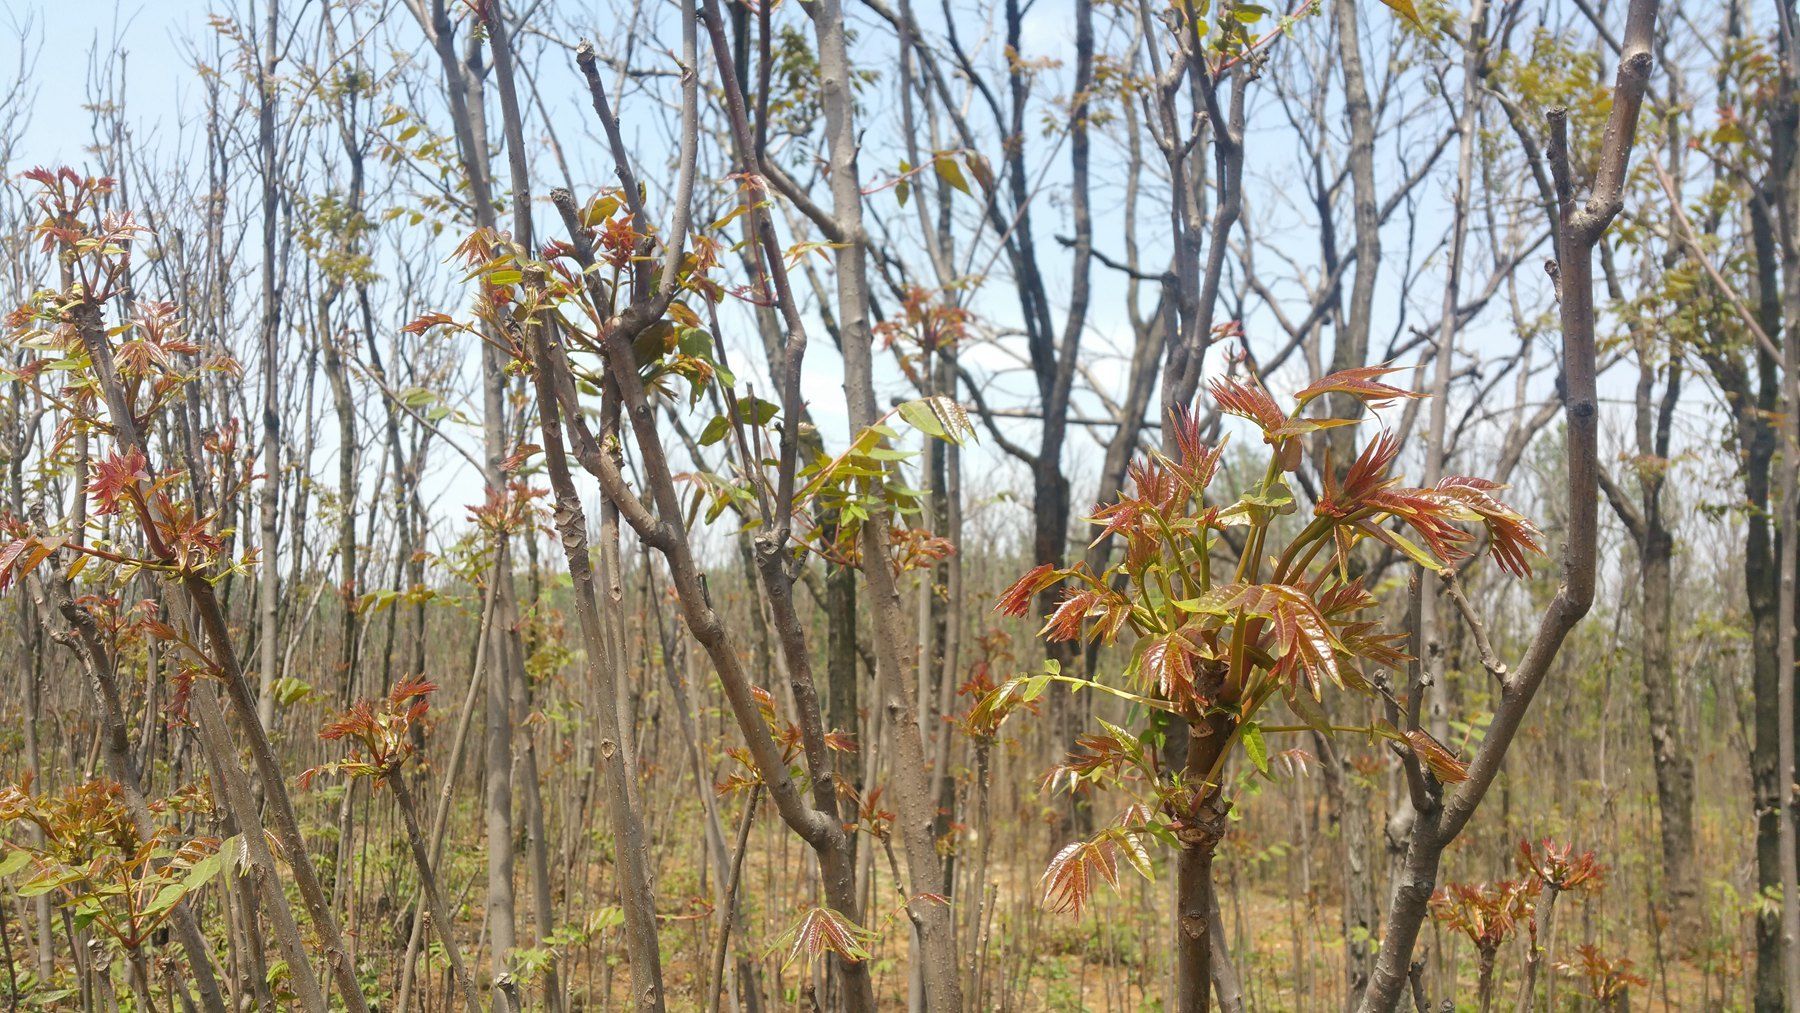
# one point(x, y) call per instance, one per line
point(1609, 979)
point(1221, 627)
point(1488, 913)
point(383, 738)
point(1557, 869)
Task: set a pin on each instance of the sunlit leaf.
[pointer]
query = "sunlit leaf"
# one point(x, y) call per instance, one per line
point(1437, 757)
point(823, 930)
point(1405, 9)
point(950, 172)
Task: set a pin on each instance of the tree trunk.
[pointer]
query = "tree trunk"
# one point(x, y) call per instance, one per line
point(269, 499)
point(1542, 943)
point(243, 809)
point(911, 779)
point(497, 783)
point(1581, 226)
point(1752, 408)
point(634, 879)
point(440, 911)
point(1199, 835)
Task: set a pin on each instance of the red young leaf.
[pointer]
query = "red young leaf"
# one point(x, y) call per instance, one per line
point(1345, 600)
point(1198, 462)
point(1511, 534)
point(1122, 516)
point(1065, 622)
point(1107, 607)
point(1437, 757)
point(1608, 977)
point(1427, 514)
point(1068, 881)
point(1559, 867)
point(1302, 636)
point(1250, 401)
point(1485, 912)
point(1295, 762)
point(381, 730)
point(113, 475)
point(1360, 382)
point(519, 457)
point(1366, 476)
point(1154, 484)
point(427, 322)
point(18, 558)
point(1366, 641)
point(823, 930)
point(1015, 601)
point(1168, 664)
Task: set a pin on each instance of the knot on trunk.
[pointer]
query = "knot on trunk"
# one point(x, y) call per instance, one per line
point(1193, 925)
point(1205, 827)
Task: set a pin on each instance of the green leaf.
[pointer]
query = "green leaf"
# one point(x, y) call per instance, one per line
point(166, 899)
point(1132, 847)
point(756, 411)
point(697, 342)
point(714, 431)
point(950, 172)
point(1212, 602)
point(289, 690)
point(234, 854)
point(48, 882)
point(1128, 743)
point(13, 862)
point(922, 418)
point(938, 416)
point(730, 216)
point(598, 210)
point(1254, 745)
point(1405, 545)
point(1034, 688)
point(202, 872)
point(984, 173)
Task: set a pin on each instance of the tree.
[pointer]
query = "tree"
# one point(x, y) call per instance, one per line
point(1215, 641)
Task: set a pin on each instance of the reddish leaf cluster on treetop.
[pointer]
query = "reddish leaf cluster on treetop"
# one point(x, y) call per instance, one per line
point(1301, 625)
point(381, 733)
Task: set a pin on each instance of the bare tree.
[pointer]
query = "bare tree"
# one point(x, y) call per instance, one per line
point(1440, 817)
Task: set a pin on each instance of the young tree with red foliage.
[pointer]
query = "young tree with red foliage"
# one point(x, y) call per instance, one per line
point(385, 734)
point(1228, 609)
